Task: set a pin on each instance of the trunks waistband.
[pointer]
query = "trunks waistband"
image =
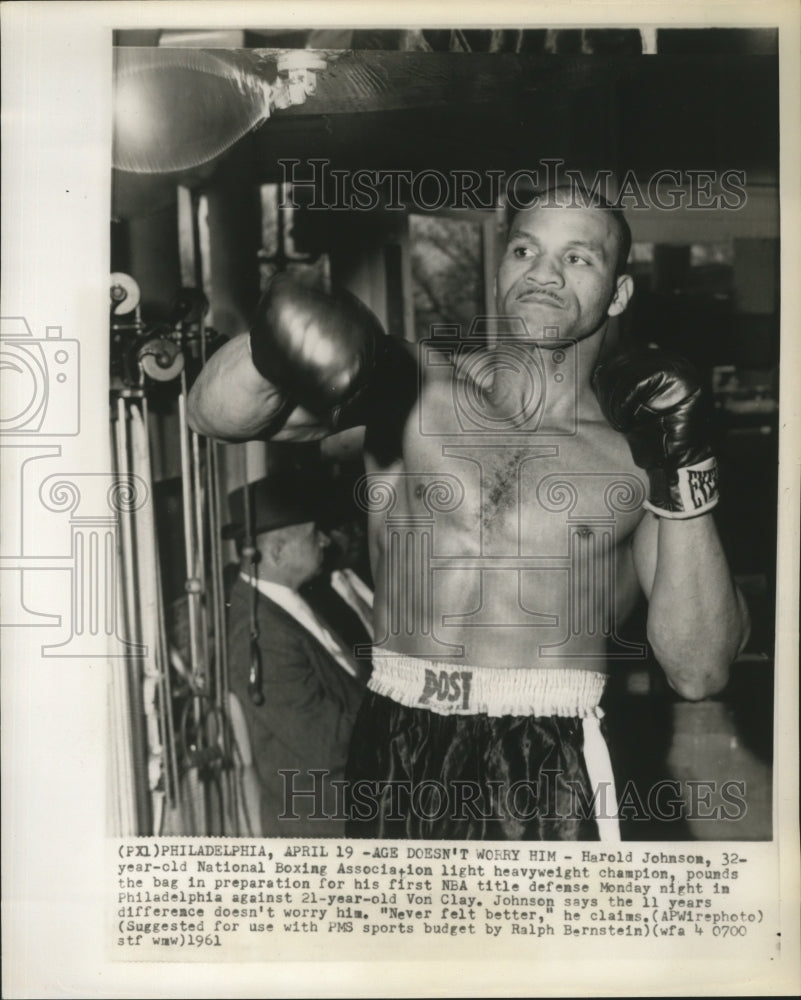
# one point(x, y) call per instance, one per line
point(446, 689)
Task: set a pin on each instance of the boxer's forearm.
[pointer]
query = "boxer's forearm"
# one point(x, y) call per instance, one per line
point(314, 364)
point(231, 401)
point(697, 620)
point(697, 623)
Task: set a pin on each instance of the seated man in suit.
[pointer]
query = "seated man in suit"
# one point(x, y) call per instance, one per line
point(298, 685)
point(342, 594)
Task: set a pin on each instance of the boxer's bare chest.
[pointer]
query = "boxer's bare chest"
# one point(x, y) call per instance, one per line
point(510, 544)
point(488, 491)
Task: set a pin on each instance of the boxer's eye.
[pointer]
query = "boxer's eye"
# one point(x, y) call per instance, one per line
point(576, 259)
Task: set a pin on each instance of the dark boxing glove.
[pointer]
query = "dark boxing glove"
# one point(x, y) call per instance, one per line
point(655, 400)
point(329, 353)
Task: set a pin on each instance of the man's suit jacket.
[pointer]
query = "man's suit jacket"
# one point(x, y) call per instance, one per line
point(305, 723)
point(340, 617)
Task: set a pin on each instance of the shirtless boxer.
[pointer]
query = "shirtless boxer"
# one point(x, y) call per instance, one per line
point(521, 492)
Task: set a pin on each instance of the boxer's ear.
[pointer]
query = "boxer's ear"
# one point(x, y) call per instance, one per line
point(624, 289)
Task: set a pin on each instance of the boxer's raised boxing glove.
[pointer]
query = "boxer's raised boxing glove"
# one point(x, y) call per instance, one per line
point(655, 400)
point(329, 353)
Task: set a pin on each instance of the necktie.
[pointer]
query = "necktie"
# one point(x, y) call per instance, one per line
point(337, 648)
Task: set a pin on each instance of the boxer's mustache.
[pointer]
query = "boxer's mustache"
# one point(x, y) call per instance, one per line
point(539, 293)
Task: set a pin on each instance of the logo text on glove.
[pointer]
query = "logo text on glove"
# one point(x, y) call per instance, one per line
point(702, 483)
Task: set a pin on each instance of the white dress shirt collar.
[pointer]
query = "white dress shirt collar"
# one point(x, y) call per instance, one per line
point(294, 605)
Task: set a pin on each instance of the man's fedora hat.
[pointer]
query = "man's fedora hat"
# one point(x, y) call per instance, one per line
point(277, 501)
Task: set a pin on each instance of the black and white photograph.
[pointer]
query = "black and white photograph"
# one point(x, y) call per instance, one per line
point(400, 467)
point(468, 508)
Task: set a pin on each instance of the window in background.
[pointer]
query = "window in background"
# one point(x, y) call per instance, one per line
point(641, 257)
point(279, 252)
point(447, 263)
